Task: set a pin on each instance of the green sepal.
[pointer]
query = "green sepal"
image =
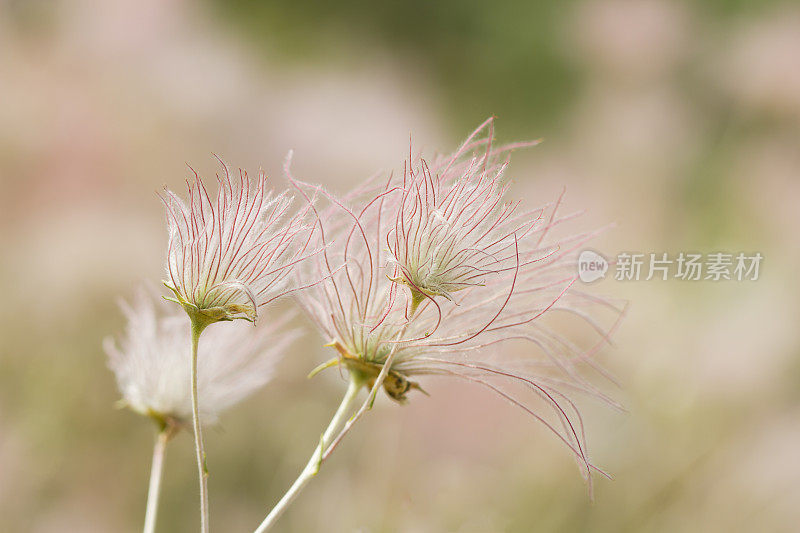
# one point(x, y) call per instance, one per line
point(327, 364)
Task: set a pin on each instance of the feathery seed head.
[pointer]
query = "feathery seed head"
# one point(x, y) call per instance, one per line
point(151, 361)
point(231, 255)
point(446, 229)
point(453, 229)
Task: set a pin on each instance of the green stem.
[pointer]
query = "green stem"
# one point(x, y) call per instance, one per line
point(387, 365)
point(159, 450)
point(314, 462)
point(202, 472)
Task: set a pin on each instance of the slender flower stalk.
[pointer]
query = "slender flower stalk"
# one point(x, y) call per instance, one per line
point(150, 363)
point(202, 469)
point(156, 474)
point(328, 443)
point(355, 379)
point(226, 259)
point(440, 271)
point(312, 467)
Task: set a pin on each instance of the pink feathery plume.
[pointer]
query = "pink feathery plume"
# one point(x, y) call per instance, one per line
point(230, 255)
point(488, 286)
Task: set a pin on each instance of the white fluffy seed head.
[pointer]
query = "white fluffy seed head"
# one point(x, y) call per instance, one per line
point(152, 360)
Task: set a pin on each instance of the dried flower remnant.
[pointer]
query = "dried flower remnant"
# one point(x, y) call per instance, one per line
point(230, 256)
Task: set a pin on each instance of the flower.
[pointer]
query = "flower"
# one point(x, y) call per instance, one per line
point(453, 228)
point(445, 230)
point(229, 257)
point(151, 361)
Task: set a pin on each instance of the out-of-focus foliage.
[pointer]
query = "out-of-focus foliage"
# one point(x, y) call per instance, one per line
point(479, 58)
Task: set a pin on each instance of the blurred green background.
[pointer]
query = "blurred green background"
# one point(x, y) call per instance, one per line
point(678, 120)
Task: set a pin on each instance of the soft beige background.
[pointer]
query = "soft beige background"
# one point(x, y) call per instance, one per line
point(680, 121)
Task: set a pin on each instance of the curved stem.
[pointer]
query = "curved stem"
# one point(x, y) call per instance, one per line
point(156, 470)
point(202, 471)
point(314, 462)
point(387, 365)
